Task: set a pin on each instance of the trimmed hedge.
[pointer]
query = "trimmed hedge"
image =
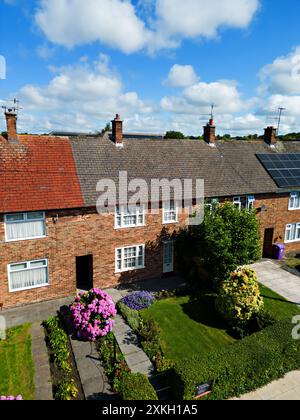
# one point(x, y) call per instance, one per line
point(241, 367)
point(136, 387)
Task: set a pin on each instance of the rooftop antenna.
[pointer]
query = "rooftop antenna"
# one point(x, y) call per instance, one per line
point(16, 108)
point(211, 114)
point(280, 111)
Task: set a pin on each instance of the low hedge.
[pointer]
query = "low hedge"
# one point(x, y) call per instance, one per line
point(136, 387)
point(241, 367)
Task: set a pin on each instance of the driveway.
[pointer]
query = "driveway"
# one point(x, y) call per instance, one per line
point(282, 282)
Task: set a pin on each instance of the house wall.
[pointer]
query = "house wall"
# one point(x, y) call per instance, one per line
point(84, 232)
point(80, 233)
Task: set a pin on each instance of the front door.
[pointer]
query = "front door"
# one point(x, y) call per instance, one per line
point(268, 243)
point(84, 272)
point(168, 257)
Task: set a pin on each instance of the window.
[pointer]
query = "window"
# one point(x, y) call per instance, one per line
point(245, 202)
point(28, 275)
point(130, 258)
point(22, 226)
point(294, 203)
point(129, 216)
point(211, 204)
point(292, 233)
point(170, 212)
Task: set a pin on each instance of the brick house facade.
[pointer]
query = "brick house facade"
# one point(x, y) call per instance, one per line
point(58, 176)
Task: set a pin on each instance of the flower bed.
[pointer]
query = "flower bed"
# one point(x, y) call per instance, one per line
point(65, 378)
point(92, 314)
point(139, 300)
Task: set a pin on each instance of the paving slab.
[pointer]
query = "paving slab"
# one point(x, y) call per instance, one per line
point(286, 389)
point(92, 375)
point(42, 374)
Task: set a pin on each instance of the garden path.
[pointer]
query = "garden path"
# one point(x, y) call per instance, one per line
point(280, 281)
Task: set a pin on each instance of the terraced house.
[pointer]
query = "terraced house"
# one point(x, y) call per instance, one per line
point(53, 241)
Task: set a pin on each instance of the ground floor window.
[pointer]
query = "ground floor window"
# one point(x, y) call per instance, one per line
point(130, 258)
point(28, 275)
point(292, 233)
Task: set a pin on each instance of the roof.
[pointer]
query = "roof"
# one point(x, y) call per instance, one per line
point(44, 172)
point(229, 169)
point(39, 173)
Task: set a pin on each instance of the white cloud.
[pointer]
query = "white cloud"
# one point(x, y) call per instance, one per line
point(283, 75)
point(193, 18)
point(181, 76)
point(79, 22)
point(82, 97)
point(121, 25)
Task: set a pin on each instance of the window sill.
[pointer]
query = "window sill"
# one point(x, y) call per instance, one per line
point(170, 223)
point(28, 288)
point(294, 209)
point(129, 227)
point(8, 241)
point(129, 270)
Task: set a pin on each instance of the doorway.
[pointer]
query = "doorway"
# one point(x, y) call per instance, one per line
point(268, 243)
point(168, 257)
point(84, 272)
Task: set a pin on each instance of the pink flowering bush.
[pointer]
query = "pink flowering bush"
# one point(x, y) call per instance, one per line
point(92, 314)
point(11, 398)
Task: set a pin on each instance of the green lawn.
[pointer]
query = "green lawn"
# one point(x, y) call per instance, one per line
point(188, 327)
point(279, 307)
point(191, 327)
point(16, 365)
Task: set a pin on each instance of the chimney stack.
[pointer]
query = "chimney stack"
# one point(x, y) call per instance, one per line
point(117, 131)
point(11, 124)
point(270, 136)
point(210, 133)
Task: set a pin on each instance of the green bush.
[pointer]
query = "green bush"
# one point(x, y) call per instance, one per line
point(58, 342)
point(239, 298)
point(131, 316)
point(228, 238)
point(136, 387)
point(241, 367)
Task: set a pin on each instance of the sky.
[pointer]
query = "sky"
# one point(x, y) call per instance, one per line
point(74, 64)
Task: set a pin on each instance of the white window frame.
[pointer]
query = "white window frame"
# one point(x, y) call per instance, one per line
point(167, 210)
point(294, 196)
point(28, 263)
point(137, 266)
point(250, 199)
point(122, 214)
point(24, 220)
point(293, 228)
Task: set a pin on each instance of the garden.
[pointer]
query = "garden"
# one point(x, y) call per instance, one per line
point(16, 365)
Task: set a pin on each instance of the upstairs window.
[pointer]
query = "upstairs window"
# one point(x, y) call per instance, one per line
point(244, 202)
point(294, 203)
point(170, 212)
point(28, 275)
point(22, 226)
point(212, 204)
point(129, 216)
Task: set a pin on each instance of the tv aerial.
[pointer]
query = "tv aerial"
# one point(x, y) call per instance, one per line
point(15, 108)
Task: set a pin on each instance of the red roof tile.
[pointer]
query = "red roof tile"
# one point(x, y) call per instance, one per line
point(39, 173)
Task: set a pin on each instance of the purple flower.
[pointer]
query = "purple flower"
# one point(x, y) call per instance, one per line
point(139, 300)
point(92, 314)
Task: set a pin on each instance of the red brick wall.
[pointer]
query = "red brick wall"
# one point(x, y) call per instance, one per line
point(77, 234)
point(277, 216)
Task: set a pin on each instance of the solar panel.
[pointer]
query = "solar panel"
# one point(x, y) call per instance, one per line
point(284, 168)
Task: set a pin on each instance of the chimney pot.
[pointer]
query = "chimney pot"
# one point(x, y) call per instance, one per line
point(117, 131)
point(11, 124)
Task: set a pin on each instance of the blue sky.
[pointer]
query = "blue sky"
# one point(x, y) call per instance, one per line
point(160, 63)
